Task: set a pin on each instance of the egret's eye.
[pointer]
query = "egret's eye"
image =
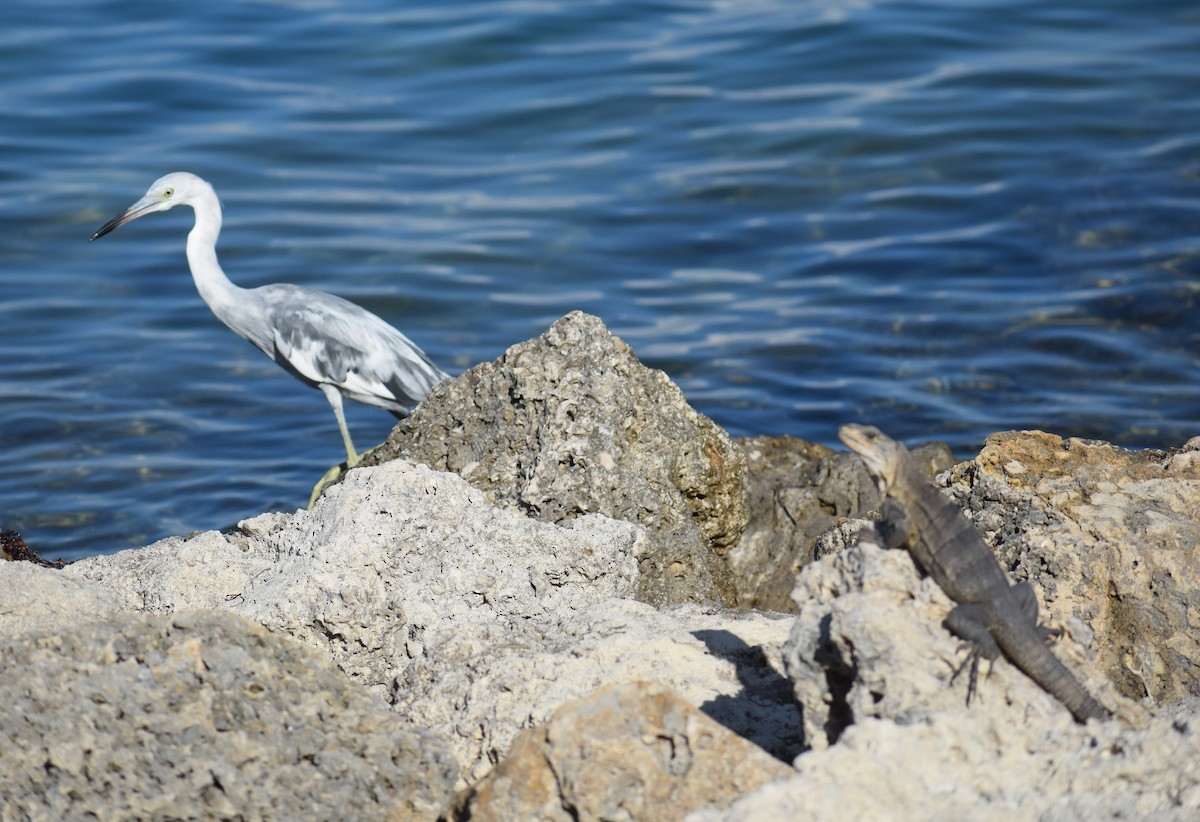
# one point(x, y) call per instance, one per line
point(168, 193)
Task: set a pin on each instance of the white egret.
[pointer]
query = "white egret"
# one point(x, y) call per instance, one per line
point(322, 340)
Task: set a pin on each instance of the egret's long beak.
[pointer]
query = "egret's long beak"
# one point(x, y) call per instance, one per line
point(141, 208)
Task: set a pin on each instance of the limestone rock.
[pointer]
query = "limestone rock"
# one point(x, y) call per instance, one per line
point(570, 423)
point(631, 751)
point(201, 716)
point(480, 687)
point(946, 768)
point(37, 599)
point(476, 622)
point(1107, 536)
point(387, 561)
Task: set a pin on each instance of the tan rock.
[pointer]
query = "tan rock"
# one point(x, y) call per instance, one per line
point(634, 751)
point(1109, 537)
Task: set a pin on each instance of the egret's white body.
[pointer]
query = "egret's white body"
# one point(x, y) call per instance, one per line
point(323, 340)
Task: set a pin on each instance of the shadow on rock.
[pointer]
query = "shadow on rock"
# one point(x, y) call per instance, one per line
point(764, 689)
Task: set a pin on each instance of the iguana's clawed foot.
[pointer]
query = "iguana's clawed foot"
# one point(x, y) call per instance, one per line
point(974, 653)
point(1049, 633)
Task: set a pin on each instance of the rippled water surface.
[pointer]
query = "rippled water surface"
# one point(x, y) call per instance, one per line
point(944, 218)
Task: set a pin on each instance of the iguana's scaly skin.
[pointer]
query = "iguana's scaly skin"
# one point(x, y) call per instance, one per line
point(991, 613)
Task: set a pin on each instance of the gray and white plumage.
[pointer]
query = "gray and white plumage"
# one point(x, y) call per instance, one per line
point(322, 340)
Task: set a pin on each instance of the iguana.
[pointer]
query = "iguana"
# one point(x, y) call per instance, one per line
point(992, 614)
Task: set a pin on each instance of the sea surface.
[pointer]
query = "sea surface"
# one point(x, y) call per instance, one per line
point(943, 218)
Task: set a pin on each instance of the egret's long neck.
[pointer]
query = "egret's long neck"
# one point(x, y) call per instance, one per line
point(215, 288)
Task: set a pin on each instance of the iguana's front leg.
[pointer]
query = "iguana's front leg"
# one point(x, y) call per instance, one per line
point(892, 529)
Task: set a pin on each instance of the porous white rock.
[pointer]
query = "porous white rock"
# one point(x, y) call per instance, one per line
point(388, 559)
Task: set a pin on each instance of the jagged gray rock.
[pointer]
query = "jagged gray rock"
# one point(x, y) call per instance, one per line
point(570, 423)
point(797, 491)
point(476, 621)
point(201, 715)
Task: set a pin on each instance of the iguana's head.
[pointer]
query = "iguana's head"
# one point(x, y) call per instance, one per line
point(884, 457)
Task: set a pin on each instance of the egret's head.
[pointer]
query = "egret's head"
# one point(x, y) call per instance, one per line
point(883, 456)
point(177, 188)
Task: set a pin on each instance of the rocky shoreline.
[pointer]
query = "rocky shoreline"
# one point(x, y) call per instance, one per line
point(558, 592)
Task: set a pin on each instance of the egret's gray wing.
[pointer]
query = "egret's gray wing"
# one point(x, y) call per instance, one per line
point(325, 339)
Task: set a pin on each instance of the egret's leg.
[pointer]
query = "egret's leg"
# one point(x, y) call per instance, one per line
point(335, 402)
point(352, 458)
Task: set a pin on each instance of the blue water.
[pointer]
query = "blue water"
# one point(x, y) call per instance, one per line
point(946, 218)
